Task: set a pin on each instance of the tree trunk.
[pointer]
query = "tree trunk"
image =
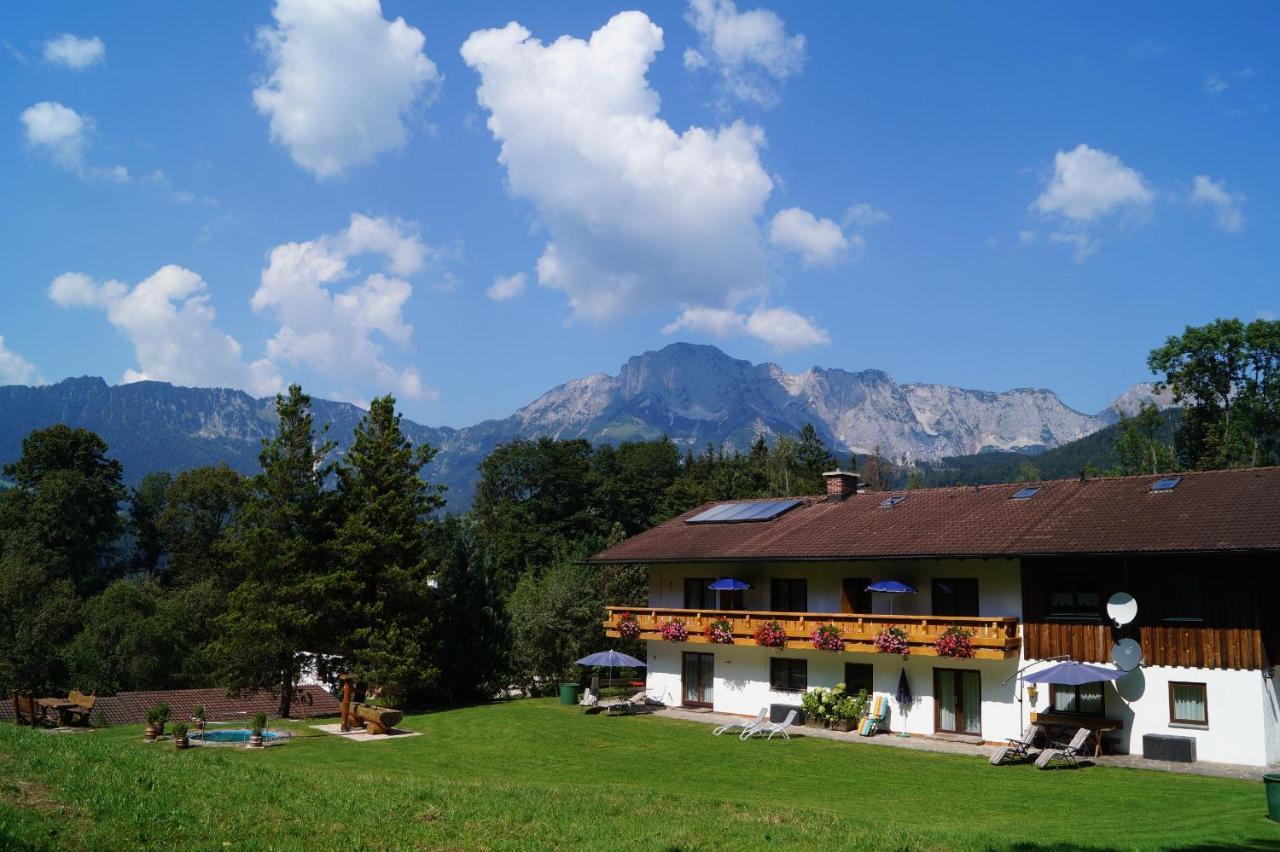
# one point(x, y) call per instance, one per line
point(286, 696)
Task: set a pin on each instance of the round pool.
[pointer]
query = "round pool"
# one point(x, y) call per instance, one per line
point(235, 736)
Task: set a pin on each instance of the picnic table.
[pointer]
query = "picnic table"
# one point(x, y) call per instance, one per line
point(58, 708)
point(1066, 724)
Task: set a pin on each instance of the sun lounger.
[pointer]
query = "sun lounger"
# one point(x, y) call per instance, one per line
point(1065, 751)
point(744, 726)
point(768, 729)
point(1018, 749)
point(876, 719)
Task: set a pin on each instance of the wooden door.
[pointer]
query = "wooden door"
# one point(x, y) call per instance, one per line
point(854, 596)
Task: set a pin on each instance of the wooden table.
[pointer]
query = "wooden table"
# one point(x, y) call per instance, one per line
point(60, 707)
point(1070, 723)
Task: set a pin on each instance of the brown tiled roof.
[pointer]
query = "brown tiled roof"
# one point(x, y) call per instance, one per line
point(128, 708)
point(1230, 510)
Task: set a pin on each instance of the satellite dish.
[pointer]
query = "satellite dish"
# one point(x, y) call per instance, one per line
point(1122, 608)
point(1127, 655)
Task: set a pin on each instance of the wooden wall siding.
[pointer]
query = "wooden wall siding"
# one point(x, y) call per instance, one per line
point(1241, 616)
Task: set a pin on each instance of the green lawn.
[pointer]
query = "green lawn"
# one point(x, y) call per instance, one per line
point(532, 773)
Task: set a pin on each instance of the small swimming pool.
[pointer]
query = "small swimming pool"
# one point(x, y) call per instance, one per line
point(236, 736)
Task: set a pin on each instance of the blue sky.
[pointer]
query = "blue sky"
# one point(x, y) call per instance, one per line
point(468, 213)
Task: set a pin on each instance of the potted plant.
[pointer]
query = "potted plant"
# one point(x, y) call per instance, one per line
point(720, 632)
point(771, 635)
point(259, 725)
point(892, 640)
point(156, 717)
point(198, 717)
point(674, 631)
point(628, 627)
point(843, 713)
point(827, 638)
point(955, 642)
point(180, 740)
point(811, 705)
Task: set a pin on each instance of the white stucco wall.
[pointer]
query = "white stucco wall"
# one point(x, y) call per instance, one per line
point(1271, 715)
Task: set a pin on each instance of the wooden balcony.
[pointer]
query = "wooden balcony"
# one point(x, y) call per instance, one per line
point(993, 638)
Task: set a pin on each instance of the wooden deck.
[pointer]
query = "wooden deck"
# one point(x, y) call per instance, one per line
point(994, 638)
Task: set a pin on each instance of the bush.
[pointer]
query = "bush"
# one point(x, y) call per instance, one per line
point(180, 730)
point(158, 715)
point(259, 723)
point(198, 712)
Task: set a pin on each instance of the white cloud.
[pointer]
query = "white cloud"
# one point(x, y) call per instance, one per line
point(1083, 244)
point(332, 330)
point(16, 370)
point(506, 287)
point(819, 242)
point(341, 81)
point(73, 52)
point(63, 135)
point(170, 323)
point(1026, 236)
point(863, 214)
point(640, 217)
point(1206, 191)
point(781, 328)
point(1088, 184)
point(1214, 84)
point(750, 50)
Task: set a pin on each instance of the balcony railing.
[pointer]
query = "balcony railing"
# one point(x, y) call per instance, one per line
point(994, 638)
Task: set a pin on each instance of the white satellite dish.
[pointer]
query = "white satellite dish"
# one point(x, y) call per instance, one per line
point(1122, 608)
point(1127, 655)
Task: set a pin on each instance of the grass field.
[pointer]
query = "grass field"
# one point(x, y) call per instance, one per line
point(533, 774)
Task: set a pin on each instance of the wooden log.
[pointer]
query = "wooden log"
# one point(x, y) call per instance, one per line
point(383, 718)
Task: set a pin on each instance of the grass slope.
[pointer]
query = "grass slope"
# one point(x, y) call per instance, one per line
point(532, 774)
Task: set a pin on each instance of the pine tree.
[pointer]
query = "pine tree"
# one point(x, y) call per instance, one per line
point(280, 615)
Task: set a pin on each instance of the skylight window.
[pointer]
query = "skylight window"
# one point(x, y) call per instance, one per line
point(1167, 484)
point(890, 502)
point(754, 510)
point(1026, 493)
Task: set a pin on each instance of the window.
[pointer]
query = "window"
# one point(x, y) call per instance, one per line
point(1188, 704)
point(1073, 599)
point(788, 675)
point(697, 595)
point(1167, 484)
point(789, 595)
point(1085, 699)
point(858, 676)
point(1026, 493)
point(954, 596)
point(1182, 601)
point(890, 502)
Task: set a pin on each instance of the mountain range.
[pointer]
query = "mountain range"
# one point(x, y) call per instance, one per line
point(696, 395)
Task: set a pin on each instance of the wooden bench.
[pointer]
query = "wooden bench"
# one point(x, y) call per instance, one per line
point(83, 710)
point(26, 711)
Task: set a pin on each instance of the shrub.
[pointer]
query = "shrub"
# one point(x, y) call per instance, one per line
point(955, 642)
point(674, 631)
point(259, 722)
point(179, 730)
point(771, 635)
point(158, 715)
point(720, 632)
point(827, 638)
point(892, 640)
point(198, 712)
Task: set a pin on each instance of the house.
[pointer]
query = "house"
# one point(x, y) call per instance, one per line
point(1027, 570)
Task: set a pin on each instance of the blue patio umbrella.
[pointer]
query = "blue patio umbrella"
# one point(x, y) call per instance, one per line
point(1071, 673)
point(891, 587)
point(610, 658)
point(727, 584)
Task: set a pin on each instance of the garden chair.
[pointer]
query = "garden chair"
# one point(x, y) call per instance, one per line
point(1018, 749)
point(768, 729)
point(744, 726)
point(26, 711)
point(83, 708)
point(1065, 751)
point(876, 720)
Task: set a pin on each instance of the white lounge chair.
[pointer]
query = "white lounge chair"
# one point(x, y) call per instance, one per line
point(768, 729)
point(1065, 751)
point(1018, 749)
point(744, 726)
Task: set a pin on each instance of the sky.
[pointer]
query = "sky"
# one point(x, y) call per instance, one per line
point(468, 204)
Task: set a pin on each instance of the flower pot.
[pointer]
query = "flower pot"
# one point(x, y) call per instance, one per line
point(842, 725)
point(255, 740)
point(181, 742)
point(149, 735)
point(812, 722)
point(826, 723)
point(160, 730)
point(199, 725)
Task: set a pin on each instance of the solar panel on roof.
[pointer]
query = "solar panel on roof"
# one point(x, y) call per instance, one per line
point(755, 510)
point(1026, 493)
point(890, 502)
point(1166, 484)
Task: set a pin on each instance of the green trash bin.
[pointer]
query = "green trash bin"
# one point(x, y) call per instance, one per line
point(1272, 783)
point(569, 694)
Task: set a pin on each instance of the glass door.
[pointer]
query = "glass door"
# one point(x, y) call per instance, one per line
point(698, 679)
point(958, 696)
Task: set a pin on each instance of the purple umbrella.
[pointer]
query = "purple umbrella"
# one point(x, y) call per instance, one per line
point(1071, 673)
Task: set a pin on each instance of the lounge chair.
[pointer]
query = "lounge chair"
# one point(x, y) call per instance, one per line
point(768, 729)
point(744, 726)
point(876, 720)
point(1065, 751)
point(1018, 749)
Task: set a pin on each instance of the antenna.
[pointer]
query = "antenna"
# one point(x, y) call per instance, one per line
point(1127, 655)
point(1122, 608)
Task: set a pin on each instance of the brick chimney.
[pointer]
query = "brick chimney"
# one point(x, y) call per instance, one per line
point(840, 485)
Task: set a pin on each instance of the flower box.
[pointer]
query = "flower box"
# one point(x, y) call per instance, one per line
point(674, 631)
point(720, 632)
point(893, 640)
point(628, 627)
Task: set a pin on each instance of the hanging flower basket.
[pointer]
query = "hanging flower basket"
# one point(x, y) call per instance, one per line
point(720, 632)
point(892, 640)
point(628, 627)
point(955, 642)
point(771, 635)
point(827, 638)
point(674, 631)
